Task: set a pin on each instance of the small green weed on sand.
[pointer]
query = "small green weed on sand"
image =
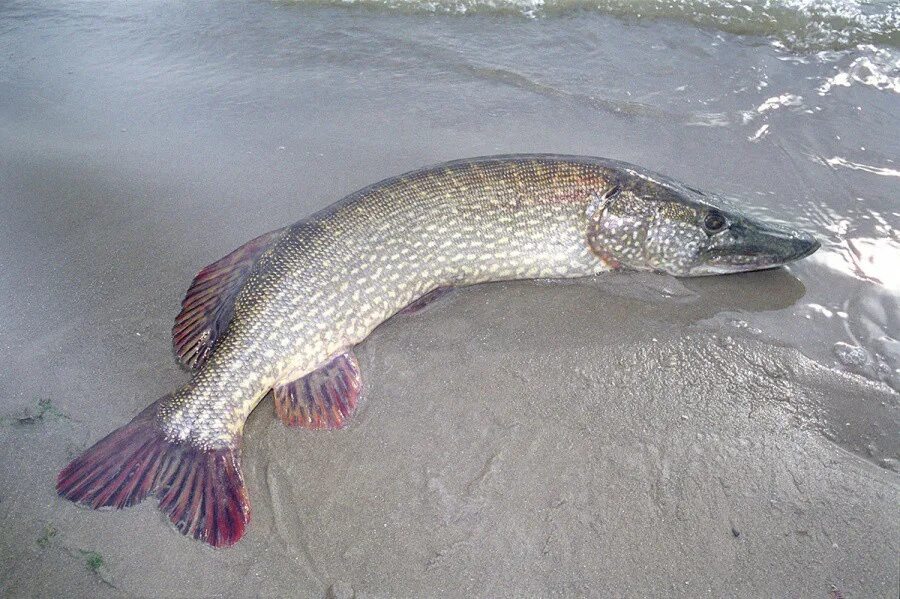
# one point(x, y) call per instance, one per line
point(45, 410)
point(95, 565)
point(46, 538)
point(93, 560)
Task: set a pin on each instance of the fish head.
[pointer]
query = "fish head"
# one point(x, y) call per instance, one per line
point(653, 223)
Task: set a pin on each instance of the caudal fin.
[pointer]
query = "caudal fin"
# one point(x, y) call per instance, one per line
point(202, 491)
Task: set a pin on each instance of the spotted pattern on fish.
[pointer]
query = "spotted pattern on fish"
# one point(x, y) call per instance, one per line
point(332, 278)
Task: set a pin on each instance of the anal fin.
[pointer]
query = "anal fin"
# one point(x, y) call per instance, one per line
point(322, 399)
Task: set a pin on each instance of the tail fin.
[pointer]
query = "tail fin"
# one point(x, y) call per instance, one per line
point(202, 491)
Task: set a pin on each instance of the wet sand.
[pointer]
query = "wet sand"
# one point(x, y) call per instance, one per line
point(504, 448)
point(632, 435)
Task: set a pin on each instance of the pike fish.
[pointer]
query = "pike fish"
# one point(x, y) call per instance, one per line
point(283, 312)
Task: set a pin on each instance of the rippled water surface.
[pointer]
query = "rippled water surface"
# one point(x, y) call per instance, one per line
point(142, 141)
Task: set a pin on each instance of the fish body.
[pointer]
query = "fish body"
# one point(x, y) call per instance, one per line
point(329, 280)
point(284, 311)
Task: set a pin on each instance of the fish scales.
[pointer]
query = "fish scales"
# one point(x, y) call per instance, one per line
point(283, 311)
point(332, 278)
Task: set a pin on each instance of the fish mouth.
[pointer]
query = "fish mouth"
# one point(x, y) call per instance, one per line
point(732, 263)
point(759, 247)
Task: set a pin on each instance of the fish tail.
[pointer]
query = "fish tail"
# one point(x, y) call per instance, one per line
point(202, 490)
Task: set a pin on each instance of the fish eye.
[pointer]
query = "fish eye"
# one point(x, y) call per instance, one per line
point(714, 221)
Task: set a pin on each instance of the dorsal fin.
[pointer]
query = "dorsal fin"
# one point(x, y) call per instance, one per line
point(208, 305)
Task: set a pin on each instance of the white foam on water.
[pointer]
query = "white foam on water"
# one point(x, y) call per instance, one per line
point(760, 133)
point(775, 102)
point(874, 67)
point(838, 161)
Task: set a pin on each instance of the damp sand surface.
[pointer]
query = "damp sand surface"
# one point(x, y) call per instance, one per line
point(633, 434)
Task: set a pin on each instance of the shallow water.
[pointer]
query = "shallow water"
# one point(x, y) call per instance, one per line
point(140, 144)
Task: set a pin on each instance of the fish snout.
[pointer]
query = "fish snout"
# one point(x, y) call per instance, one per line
point(754, 245)
point(804, 245)
point(785, 244)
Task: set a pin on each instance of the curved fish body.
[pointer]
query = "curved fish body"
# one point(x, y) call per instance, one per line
point(284, 311)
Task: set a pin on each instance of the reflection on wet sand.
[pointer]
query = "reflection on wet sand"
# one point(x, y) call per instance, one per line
point(876, 260)
point(870, 313)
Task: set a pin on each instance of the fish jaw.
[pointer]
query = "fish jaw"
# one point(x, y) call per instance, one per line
point(755, 245)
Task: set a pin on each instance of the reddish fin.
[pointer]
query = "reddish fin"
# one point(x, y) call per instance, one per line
point(323, 399)
point(207, 307)
point(421, 303)
point(202, 491)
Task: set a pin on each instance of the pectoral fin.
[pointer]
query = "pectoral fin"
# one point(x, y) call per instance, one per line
point(323, 399)
point(423, 302)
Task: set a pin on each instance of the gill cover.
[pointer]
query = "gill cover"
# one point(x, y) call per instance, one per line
point(629, 229)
